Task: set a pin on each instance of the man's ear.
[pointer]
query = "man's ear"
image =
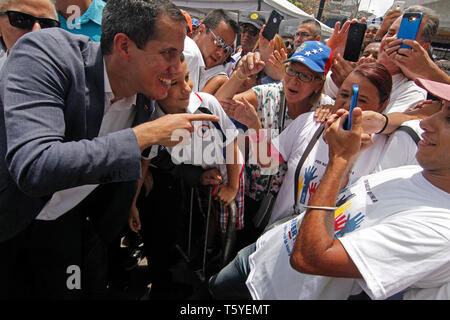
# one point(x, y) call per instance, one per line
point(122, 45)
point(202, 28)
point(317, 37)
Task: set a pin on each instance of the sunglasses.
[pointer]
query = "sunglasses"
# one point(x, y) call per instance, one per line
point(250, 29)
point(220, 43)
point(302, 76)
point(289, 44)
point(26, 21)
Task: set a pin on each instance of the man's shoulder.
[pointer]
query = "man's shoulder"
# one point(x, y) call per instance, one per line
point(54, 40)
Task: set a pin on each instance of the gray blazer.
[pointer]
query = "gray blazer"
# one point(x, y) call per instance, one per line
point(52, 103)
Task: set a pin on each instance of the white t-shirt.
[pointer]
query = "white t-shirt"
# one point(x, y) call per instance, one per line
point(194, 61)
point(405, 94)
point(291, 144)
point(208, 74)
point(400, 149)
point(206, 147)
point(394, 225)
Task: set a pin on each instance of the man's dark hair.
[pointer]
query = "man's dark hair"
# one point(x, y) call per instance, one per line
point(137, 19)
point(215, 17)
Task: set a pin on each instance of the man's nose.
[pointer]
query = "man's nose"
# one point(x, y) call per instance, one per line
point(36, 26)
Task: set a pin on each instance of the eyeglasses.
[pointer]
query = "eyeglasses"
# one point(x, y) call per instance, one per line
point(250, 29)
point(288, 44)
point(220, 43)
point(304, 77)
point(26, 21)
point(303, 35)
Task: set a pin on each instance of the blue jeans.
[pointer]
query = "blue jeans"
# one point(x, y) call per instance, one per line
point(229, 283)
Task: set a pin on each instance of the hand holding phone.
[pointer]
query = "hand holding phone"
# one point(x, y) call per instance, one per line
point(353, 102)
point(355, 40)
point(273, 25)
point(409, 26)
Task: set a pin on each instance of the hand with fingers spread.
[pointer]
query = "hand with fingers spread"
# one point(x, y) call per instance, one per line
point(322, 113)
point(242, 111)
point(275, 66)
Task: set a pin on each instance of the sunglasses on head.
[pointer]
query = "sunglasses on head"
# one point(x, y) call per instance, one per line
point(26, 21)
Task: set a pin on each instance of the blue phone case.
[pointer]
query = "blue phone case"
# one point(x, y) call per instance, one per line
point(409, 27)
point(352, 106)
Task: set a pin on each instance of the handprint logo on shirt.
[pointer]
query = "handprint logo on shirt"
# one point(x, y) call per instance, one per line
point(312, 188)
point(300, 185)
point(351, 225)
point(309, 177)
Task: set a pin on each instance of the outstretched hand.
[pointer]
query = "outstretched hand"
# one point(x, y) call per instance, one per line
point(242, 111)
point(168, 130)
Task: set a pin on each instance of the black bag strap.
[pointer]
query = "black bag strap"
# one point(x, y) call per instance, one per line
point(302, 160)
point(412, 133)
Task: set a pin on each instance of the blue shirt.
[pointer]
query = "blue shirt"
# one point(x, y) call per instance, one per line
point(88, 24)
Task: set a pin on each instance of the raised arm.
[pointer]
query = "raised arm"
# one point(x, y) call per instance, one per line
point(249, 65)
point(316, 251)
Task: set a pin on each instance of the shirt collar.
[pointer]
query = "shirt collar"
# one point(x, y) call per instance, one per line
point(195, 102)
point(131, 100)
point(94, 12)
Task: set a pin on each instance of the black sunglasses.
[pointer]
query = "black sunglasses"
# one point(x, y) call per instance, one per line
point(26, 21)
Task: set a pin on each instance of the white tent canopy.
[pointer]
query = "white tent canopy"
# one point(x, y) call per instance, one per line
point(287, 9)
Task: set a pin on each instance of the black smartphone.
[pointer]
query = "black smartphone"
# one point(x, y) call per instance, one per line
point(272, 25)
point(355, 39)
point(409, 26)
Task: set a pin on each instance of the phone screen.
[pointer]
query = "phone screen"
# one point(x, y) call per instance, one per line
point(353, 103)
point(409, 26)
point(354, 42)
point(272, 26)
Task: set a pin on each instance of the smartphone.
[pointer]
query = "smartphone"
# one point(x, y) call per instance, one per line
point(354, 42)
point(398, 5)
point(409, 27)
point(272, 25)
point(353, 102)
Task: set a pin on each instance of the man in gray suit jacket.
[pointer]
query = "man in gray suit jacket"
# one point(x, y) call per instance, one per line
point(73, 125)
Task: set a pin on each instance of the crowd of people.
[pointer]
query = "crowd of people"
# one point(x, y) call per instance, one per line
point(114, 113)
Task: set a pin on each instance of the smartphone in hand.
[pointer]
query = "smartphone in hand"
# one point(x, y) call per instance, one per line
point(398, 5)
point(272, 25)
point(409, 26)
point(353, 102)
point(354, 42)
